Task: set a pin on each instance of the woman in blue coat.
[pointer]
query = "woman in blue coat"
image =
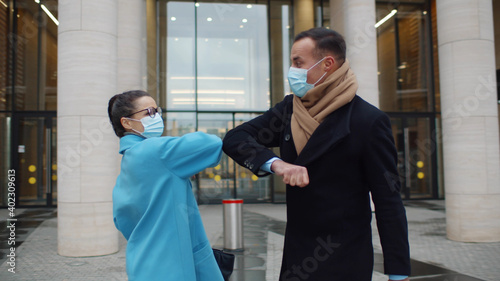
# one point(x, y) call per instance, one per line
point(153, 204)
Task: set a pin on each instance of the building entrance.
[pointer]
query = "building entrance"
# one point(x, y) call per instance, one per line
point(215, 67)
point(416, 156)
point(34, 158)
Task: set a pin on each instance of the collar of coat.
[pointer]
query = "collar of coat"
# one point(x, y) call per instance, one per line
point(129, 140)
point(329, 133)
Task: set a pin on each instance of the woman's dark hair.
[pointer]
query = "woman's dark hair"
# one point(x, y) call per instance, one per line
point(327, 41)
point(122, 105)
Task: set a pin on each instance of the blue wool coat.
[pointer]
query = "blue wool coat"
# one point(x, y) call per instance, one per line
point(154, 207)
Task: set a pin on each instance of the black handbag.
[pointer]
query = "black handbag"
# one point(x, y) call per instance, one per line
point(225, 262)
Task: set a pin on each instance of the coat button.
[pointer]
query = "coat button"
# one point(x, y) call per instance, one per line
point(287, 137)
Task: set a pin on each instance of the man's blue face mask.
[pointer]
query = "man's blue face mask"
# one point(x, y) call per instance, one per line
point(297, 78)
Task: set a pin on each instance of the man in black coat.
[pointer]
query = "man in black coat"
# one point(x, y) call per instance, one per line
point(335, 149)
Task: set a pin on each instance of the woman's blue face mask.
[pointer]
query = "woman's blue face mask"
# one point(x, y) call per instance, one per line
point(297, 78)
point(153, 127)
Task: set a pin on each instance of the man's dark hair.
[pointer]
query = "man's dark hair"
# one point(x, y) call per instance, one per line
point(123, 105)
point(327, 41)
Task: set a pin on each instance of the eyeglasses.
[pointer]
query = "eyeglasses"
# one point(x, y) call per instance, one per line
point(151, 111)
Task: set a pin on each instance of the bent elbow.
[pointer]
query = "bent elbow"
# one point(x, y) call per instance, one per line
point(227, 141)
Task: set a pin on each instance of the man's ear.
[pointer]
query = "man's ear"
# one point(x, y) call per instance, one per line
point(329, 63)
point(126, 123)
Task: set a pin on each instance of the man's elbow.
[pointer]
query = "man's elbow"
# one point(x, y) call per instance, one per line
point(228, 141)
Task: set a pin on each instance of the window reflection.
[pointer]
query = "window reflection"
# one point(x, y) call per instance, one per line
point(216, 182)
point(217, 56)
point(179, 124)
point(405, 72)
point(4, 55)
point(35, 43)
point(214, 66)
point(409, 91)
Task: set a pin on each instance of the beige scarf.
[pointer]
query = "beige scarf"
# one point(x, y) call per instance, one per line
point(337, 90)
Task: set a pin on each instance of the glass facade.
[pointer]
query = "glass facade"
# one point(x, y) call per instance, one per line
point(216, 71)
point(407, 71)
point(223, 63)
point(28, 99)
point(218, 64)
point(216, 59)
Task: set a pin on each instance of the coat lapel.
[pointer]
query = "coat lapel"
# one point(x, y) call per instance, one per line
point(329, 133)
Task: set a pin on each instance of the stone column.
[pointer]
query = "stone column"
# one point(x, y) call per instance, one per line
point(132, 51)
point(303, 15)
point(355, 20)
point(470, 119)
point(87, 147)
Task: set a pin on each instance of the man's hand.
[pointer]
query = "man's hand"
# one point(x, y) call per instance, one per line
point(292, 174)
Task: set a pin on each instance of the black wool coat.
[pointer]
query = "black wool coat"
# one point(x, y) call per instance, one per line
point(328, 233)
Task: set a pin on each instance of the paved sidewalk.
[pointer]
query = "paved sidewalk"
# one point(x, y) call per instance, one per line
point(433, 256)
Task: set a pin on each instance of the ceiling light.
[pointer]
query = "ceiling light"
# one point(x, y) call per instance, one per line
point(249, 6)
point(173, 18)
point(210, 92)
point(207, 78)
point(49, 14)
point(196, 5)
point(386, 18)
point(244, 20)
point(241, 26)
point(210, 19)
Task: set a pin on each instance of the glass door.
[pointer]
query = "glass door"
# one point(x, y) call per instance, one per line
point(34, 157)
point(416, 156)
point(215, 69)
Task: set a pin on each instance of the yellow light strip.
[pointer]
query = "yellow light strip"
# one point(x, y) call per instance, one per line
point(5, 5)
